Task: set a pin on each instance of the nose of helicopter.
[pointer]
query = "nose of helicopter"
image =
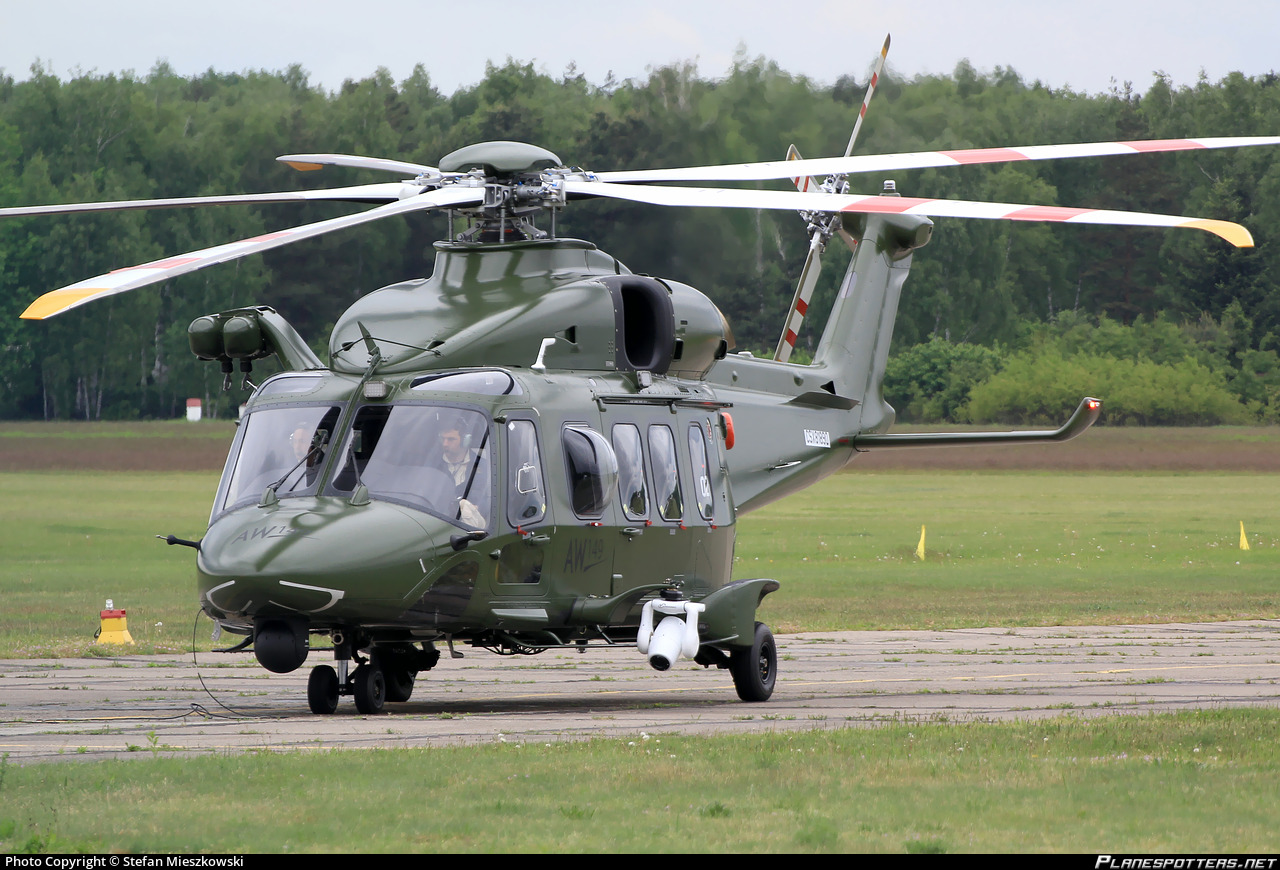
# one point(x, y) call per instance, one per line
point(313, 556)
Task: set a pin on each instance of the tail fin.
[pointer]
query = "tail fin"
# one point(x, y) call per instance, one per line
point(854, 348)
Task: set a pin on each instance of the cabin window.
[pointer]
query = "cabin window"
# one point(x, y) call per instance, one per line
point(429, 457)
point(526, 495)
point(701, 471)
point(592, 468)
point(284, 446)
point(631, 482)
point(666, 473)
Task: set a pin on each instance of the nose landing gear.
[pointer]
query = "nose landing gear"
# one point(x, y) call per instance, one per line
point(388, 675)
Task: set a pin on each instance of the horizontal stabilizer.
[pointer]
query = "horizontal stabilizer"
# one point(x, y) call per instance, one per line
point(823, 399)
point(1084, 417)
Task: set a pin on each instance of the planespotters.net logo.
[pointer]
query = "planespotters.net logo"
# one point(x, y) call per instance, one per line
point(1125, 863)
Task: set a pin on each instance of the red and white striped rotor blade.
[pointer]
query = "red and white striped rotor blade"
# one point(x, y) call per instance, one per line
point(132, 277)
point(384, 192)
point(832, 202)
point(800, 302)
point(866, 100)
point(926, 159)
point(804, 183)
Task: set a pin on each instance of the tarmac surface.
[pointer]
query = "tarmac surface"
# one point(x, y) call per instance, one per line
point(94, 708)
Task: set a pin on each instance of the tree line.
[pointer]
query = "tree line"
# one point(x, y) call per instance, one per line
point(1012, 294)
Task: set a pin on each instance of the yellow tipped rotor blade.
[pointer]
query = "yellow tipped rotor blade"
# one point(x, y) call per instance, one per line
point(57, 301)
point(1233, 233)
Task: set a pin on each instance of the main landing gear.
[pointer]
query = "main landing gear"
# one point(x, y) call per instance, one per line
point(387, 675)
point(755, 668)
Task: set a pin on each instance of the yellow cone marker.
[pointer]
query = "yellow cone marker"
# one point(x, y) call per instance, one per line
point(114, 628)
point(1244, 541)
point(920, 546)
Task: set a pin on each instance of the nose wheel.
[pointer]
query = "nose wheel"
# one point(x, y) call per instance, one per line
point(370, 685)
point(369, 688)
point(323, 690)
point(367, 685)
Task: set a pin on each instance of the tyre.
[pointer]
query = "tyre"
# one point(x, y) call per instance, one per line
point(399, 684)
point(369, 686)
point(755, 669)
point(322, 690)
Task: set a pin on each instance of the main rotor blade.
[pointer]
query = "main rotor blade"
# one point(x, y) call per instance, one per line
point(384, 192)
point(132, 277)
point(925, 159)
point(311, 162)
point(833, 202)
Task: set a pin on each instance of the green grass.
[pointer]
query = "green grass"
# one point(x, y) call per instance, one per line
point(1204, 782)
point(1016, 548)
point(1002, 548)
point(72, 540)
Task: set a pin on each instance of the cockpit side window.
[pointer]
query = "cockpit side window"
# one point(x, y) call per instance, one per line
point(526, 491)
point(429, 457)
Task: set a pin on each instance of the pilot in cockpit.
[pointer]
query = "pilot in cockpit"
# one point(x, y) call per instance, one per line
point(469, 469)
point(303, 442)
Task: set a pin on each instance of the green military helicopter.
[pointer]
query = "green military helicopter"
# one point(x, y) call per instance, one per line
point(536, 448)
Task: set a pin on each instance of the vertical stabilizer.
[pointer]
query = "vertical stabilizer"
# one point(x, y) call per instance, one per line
point(855, 345)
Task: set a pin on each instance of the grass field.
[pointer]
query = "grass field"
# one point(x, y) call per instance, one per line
point(1154, 537)
point(1200, 783)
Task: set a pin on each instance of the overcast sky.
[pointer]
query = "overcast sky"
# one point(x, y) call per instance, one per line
point(1084, 44)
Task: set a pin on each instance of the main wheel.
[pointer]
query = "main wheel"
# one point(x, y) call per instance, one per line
point(755, 670)
point(369, 686)
point(322, 690)
point(399, 684)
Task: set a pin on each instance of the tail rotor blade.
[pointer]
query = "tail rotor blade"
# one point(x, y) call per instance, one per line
point(820, 231)
point(866, 100)
point(800, 302)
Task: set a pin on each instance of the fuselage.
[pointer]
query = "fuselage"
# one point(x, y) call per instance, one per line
point(584, 486)
point(531, 443)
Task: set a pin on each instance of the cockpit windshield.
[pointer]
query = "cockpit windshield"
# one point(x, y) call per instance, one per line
point(430, 457)
point(284, 445)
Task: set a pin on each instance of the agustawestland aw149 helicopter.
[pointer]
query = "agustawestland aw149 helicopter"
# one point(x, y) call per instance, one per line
point(536, 448)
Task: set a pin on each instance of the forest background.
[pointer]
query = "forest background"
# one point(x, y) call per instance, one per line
point(1000, 321)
